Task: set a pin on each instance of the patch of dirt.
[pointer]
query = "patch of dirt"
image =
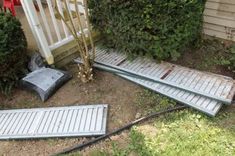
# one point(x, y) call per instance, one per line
point(195, 60)
point(122, 140)
point(118, 93)
point(212, 57)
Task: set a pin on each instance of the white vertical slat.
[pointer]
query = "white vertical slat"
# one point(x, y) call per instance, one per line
point(24, 124)
point(28, 125)
point(43, 122)
point(104, 124)
point(59, 4)
point(30, 23)
point(53, 121)
point(16, 130)
point(62, 121)
point(7, 122)
point(83, 120)
point(55, 24)
point(36, 122)
point(88, 120)
point(80, 6)
point(82, 9)
point(65, 40)
point(57, 123)
point(68, 120)
point(69, 8)
point(78, 120)
point(73, 119)
point(13, 122)
point(37, 30)
point(45, 23)
point(48, 122)
point(93, 120)
point(99, 118)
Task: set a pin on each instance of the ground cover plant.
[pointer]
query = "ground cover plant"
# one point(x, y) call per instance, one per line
point(12, 52)
point(160, 29)
point(231, 60)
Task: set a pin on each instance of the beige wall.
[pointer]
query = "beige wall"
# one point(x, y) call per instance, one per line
point(219, 19)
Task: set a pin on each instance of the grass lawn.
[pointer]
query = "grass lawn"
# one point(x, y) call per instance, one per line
point(185, 133)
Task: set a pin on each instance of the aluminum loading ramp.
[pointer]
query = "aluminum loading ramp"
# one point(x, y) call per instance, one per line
point(209, 106)
point(220, 88)
point(139, 69)
point(85, 120)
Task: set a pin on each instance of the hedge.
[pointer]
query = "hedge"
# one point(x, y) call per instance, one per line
point(12, 52)
point(157, 28)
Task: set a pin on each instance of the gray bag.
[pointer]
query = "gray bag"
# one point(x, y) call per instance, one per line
point(36, 62)
point(45, 81)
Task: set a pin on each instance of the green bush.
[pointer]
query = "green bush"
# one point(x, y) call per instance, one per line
point(157, 28)
point(232, 59)
point(12, 52)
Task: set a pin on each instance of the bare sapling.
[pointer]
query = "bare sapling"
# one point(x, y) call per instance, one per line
point(81, 30)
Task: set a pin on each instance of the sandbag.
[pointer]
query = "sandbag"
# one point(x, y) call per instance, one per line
point(45, 81)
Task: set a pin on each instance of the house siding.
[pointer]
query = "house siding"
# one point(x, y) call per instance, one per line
point(219, 19)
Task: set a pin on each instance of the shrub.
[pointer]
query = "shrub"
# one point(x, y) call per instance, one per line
point(157, 28)
point(232, 59)
point(12, 52)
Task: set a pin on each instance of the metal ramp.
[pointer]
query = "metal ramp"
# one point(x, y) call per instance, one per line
point(201, 103)
point(203, 91)
point(209, 106)
point(53, 122)
point(210, 85)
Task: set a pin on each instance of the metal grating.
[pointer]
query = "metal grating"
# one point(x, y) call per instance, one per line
point(210, 85)
point(113, 61)
point(201, 103)
point(53, 122)
point(207, 105)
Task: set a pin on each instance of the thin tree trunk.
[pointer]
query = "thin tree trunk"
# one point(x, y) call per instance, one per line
point(85, 69)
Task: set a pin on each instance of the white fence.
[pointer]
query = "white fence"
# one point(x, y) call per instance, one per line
point(49, 31)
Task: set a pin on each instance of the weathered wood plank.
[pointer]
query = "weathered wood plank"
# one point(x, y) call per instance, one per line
point(220, 14)
point(66, 53)
point(66, 60)
point(219, 21)
point(218, 34)
point(220, 6)
point(223, 29)
point(223, 1)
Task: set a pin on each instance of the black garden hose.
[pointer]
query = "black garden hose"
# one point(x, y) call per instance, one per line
point(128, 126)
